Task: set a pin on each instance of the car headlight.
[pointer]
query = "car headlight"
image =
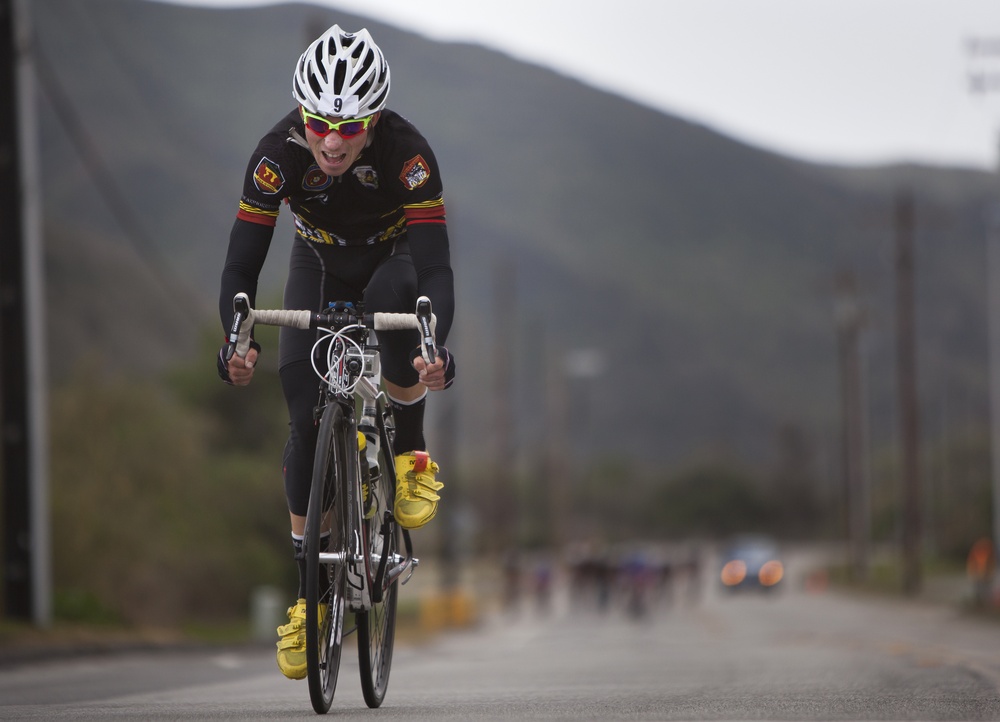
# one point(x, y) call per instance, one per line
point(733, 573)
point(771, 573)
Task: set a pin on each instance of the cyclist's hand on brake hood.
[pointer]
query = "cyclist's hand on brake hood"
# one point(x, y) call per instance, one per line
point(238, 371)
point(440, 374)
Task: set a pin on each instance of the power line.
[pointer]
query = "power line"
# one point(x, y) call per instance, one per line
point(106, 186)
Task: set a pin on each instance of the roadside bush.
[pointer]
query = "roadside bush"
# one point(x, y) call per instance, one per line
point(148, 520)
point(712, 500)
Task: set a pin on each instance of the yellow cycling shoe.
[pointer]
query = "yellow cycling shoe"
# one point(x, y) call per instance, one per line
point(292, 645)
point(416, 489)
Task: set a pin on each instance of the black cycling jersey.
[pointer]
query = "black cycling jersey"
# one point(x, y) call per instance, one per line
point(393, 188)
point(377, 233)
point(394, 183)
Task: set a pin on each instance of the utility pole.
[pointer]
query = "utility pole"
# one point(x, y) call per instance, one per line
point(993, 333)
point(909, 411)
point(849, 318)
point(558, 449)
point(984, 80)
point(504, 518)
point(23, 435)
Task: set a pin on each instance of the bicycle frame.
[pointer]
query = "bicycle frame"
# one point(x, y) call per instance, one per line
point(351, 385)
point(366, 562)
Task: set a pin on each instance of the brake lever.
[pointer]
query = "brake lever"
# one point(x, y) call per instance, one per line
point(428, 348)
point(241, 306)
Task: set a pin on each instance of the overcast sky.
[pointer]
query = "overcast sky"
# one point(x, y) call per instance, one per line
point(844, 81)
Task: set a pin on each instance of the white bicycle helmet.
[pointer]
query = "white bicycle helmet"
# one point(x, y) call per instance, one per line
point(342, 74)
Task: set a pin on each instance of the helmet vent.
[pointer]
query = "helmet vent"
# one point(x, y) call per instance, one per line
point(340, 76)
point(318, 66)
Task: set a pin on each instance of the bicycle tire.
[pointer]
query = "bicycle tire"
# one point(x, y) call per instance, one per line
point(377, 626)
point(326, 583)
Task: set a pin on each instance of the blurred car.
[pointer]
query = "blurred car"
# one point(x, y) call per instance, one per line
point(751, 562)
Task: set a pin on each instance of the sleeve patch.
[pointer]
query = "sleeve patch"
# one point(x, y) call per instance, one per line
point(415, 173)
point(267, 176)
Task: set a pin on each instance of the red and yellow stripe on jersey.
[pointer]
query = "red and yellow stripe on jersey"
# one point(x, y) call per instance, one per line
point(254, 214)
point(431, 211)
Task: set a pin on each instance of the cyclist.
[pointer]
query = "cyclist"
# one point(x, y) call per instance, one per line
point(365, 193)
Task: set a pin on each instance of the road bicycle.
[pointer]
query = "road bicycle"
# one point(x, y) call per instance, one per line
point(354, 559)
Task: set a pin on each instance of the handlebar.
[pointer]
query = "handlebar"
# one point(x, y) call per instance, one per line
point(423, 320)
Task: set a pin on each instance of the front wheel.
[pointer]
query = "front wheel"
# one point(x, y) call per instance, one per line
point(326, 582)
point(377, 625)
point(376, 635)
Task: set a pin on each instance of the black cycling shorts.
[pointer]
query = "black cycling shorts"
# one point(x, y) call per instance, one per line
point(383, 277)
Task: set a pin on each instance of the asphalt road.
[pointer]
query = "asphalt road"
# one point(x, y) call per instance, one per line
point(793, 655)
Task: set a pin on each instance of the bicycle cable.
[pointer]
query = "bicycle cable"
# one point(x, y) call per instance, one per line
point(340, 350)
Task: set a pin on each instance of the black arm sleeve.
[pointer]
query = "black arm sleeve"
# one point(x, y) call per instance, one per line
point(248, 244)
point(432, 260)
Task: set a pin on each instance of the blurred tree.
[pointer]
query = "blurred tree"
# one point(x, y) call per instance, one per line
point(606, 500)
point(959, 497)
point(249, 418)
point(798, 508)
point(713, 499)
point(153, 524)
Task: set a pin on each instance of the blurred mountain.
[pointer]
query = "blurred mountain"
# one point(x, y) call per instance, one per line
point(700, 270)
